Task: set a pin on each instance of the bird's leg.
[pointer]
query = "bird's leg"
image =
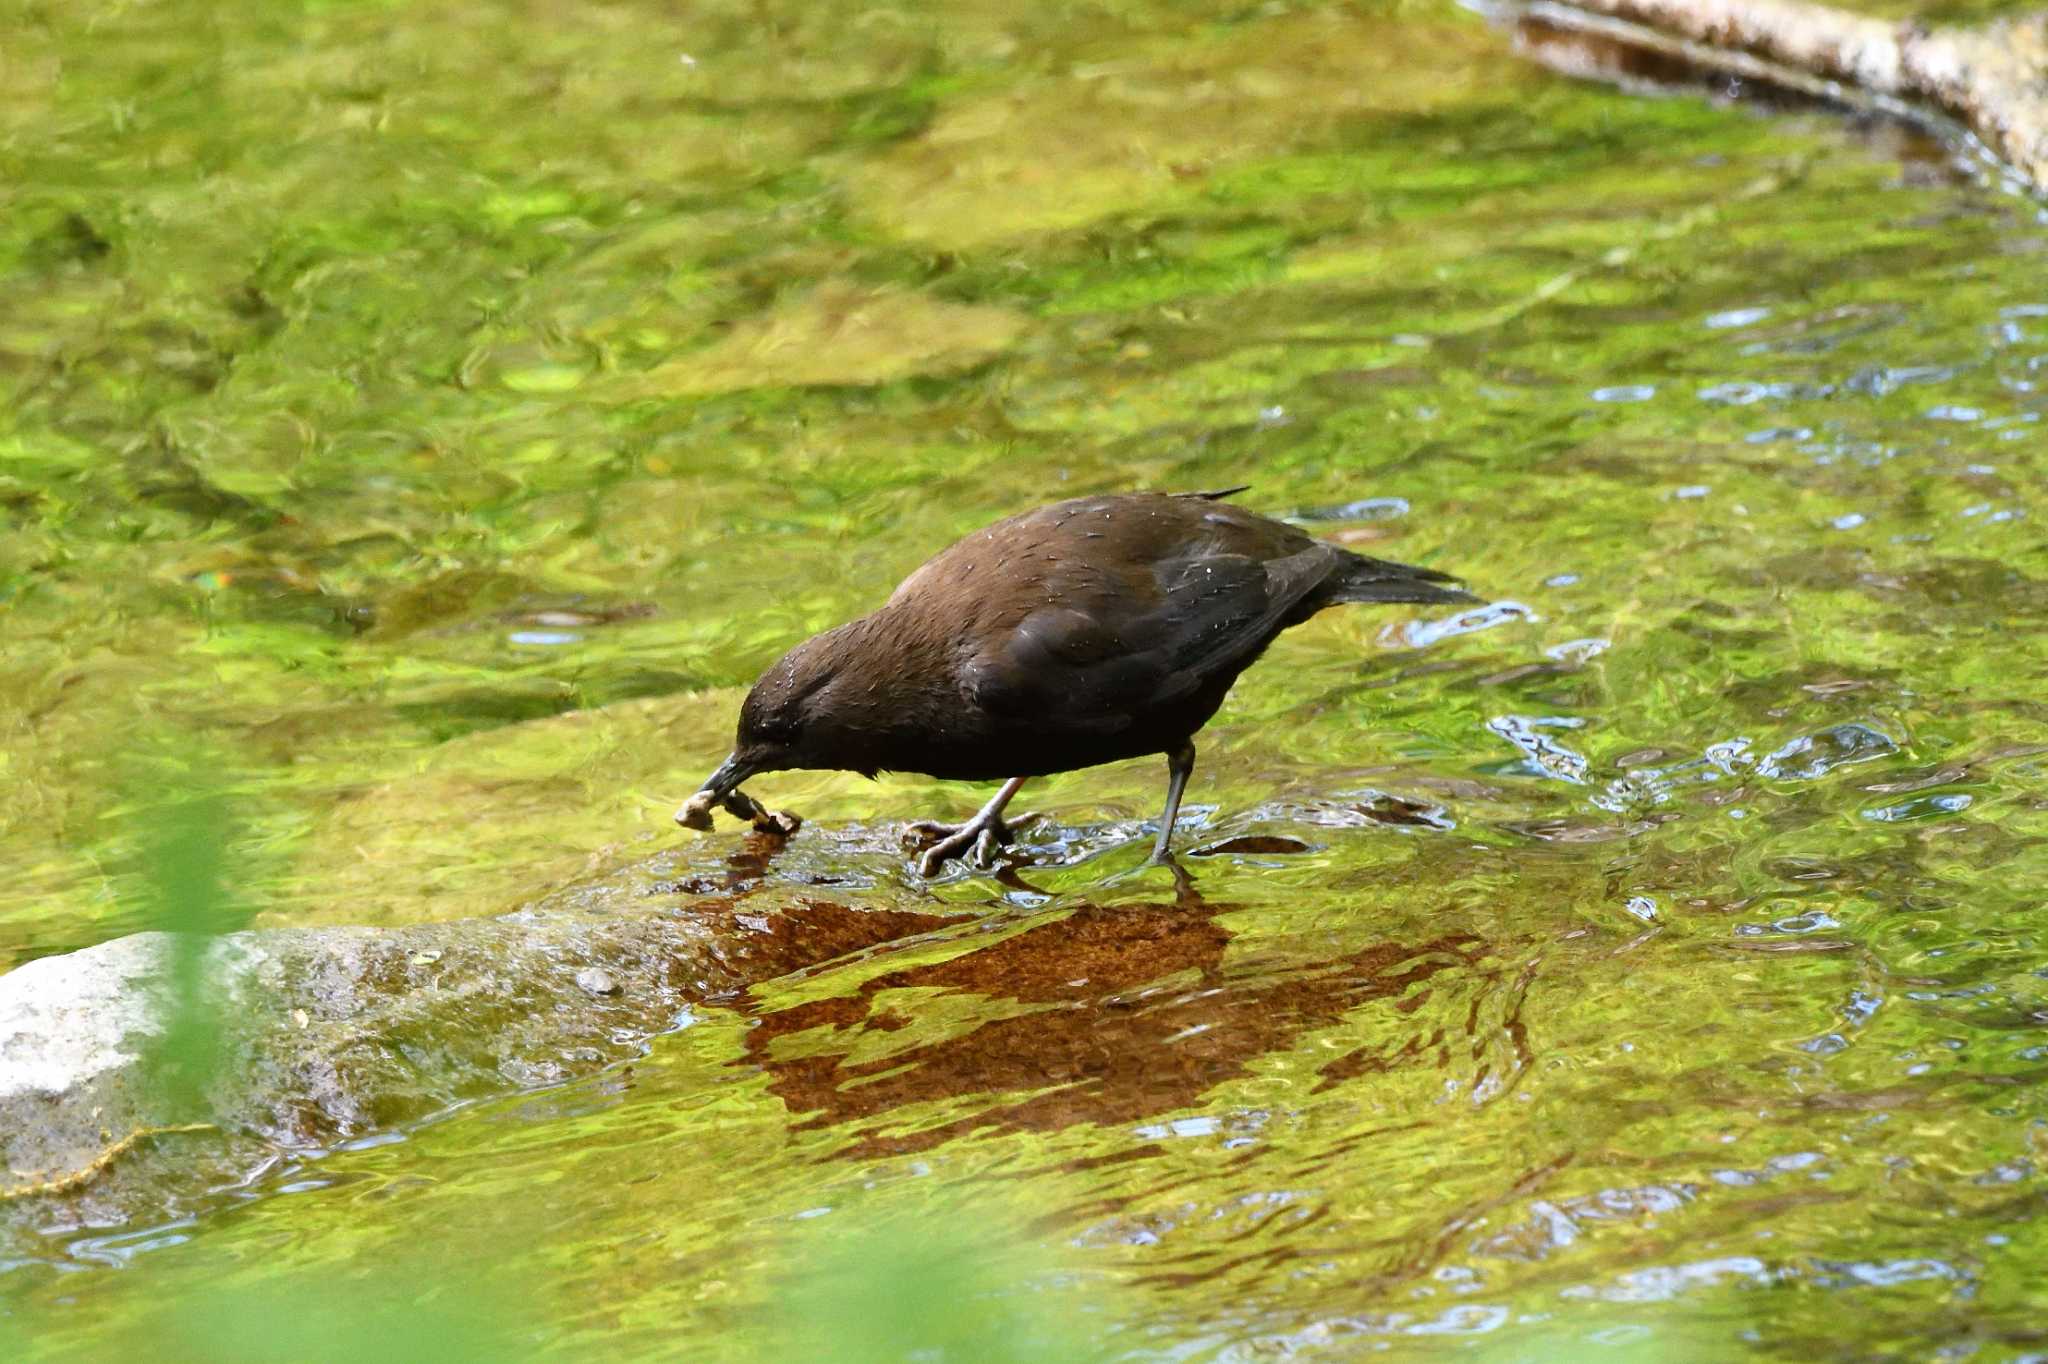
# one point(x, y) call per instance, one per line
point(982, 834)
point(1179, 763)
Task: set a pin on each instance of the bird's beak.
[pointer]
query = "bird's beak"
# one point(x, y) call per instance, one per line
point(696, 811)
point(729, 775)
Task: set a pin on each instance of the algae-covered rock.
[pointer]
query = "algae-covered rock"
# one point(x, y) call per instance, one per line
point(840, 334)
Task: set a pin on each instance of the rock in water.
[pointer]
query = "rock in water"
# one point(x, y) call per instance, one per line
point(326, 1034)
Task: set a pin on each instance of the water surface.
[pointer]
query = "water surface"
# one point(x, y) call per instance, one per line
point(447, 413)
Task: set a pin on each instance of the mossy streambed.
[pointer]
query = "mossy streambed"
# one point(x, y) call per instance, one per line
point(438, 417)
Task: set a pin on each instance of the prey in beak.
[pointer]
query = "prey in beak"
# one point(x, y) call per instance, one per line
point(722, 788)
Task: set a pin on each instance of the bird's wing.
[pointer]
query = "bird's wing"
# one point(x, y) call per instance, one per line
point(1103, 650)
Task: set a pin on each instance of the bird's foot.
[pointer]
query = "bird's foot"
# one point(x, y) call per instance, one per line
point(975, 841)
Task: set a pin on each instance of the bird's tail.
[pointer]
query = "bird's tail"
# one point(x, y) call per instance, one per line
point(1381, 580)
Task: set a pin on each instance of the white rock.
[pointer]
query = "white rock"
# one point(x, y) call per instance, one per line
point(66, 1021)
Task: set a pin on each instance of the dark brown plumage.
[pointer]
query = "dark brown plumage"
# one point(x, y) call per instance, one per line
point(1080, 633)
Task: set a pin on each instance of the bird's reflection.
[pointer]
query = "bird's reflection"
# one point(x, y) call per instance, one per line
point(1106, 1014)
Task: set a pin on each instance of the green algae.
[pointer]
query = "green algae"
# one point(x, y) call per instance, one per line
point(448, 414)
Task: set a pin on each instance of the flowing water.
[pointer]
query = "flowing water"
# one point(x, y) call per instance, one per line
point(445, 412)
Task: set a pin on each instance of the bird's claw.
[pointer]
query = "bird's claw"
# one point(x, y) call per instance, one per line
point(976, 842)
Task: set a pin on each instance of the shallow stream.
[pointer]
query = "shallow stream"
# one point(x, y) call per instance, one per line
point(445, 412)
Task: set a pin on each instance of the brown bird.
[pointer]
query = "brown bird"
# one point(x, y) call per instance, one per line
point(1080, 633)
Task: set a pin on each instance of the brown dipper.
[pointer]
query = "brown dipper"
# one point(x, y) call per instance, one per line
point(1084, 632)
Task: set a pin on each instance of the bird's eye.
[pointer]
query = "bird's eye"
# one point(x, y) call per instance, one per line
point(776, 727)
point(775, 712)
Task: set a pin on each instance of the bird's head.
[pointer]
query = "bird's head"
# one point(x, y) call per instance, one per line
point(787, 721)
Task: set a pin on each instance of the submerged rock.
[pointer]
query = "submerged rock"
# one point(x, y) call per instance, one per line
point(328, 1034)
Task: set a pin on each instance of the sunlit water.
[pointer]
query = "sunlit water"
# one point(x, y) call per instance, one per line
point(447, 412)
